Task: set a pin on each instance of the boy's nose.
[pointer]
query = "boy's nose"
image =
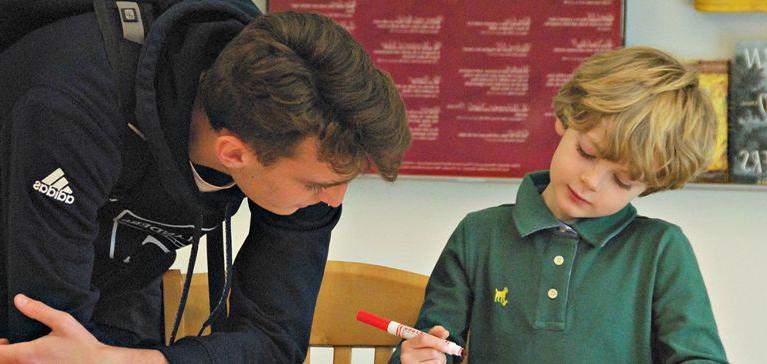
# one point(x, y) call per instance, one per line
point(333, 196)
point(592, 178)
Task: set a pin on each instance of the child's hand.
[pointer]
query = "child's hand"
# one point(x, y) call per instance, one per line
point(425, 348)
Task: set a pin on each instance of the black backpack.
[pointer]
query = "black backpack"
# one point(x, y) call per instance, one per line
point(123, 27)
point(19, 17)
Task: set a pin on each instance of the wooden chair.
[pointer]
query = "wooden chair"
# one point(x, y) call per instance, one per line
point(197, 307)
point(347, 287)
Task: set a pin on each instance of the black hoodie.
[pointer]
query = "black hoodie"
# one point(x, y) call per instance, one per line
point(93, 203)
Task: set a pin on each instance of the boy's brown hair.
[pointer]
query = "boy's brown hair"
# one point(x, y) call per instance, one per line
point(288, 76)
point(658, 122)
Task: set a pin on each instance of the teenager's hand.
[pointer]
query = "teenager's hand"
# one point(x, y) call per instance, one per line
point(68, 342)
point(425, 348)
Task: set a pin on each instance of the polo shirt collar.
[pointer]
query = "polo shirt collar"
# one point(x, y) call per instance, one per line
point(531, 214)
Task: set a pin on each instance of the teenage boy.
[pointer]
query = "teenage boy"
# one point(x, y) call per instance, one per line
point(283, 109)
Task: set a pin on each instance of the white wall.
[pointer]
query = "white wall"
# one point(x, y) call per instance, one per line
point(675, 26)
point(406, 224)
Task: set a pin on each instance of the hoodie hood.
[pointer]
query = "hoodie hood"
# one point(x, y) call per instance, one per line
point(182, 43)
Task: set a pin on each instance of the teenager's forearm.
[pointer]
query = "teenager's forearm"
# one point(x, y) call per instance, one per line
point(116, 354)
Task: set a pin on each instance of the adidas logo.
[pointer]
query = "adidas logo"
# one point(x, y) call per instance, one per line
point(56, 187)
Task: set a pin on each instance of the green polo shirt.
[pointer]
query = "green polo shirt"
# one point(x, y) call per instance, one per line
point(616, 289)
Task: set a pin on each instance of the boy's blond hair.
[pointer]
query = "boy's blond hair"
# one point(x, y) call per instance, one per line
point(658, 122)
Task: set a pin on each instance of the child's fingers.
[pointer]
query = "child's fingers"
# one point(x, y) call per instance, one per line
point(429, 348)
point(431, 341)
point(4, 342)
point(411, 353)
point(439, 332)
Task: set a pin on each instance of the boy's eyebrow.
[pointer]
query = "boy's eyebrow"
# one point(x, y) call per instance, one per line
point(332, 183)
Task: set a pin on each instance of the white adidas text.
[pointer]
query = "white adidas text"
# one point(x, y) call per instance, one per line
point(55, 186)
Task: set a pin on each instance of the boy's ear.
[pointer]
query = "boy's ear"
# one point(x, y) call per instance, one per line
point(559, 127)
point(231, 151)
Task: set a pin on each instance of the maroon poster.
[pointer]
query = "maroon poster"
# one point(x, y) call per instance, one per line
point(477, 76)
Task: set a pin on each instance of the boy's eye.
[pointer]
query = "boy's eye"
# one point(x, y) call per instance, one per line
point(314, 188)
point(583, 153)
point(621, 184)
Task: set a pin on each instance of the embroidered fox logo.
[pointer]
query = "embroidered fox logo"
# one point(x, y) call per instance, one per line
point(500, 296)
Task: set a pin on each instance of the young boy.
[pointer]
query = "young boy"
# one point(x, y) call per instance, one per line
point(570, 273)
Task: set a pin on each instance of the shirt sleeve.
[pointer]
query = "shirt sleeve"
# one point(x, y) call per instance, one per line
point(449, 296)
point(683, 322)
point(59, 165)
point(277, 278)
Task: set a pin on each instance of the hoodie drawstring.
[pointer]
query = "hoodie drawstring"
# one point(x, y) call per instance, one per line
point(228, 268)
point(188, 280)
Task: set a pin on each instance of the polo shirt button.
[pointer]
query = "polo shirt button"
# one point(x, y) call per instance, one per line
point(562, 229)
point(558, 260)
point(553, 293)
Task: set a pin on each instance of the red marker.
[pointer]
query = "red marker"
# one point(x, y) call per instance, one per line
point(405, 332)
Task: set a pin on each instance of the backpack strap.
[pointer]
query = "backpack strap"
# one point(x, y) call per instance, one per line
point(131, 21)
point(123, 26)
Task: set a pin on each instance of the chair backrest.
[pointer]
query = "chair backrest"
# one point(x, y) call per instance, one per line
point(347, 287)
point(197, 307)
